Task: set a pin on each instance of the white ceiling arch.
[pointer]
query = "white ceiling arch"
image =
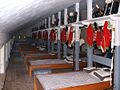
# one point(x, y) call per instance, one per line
point(19, 14)
point(14, 13)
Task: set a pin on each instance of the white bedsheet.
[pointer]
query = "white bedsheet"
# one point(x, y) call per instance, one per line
point(47, 61)
point(38, 54)
point(63, 80)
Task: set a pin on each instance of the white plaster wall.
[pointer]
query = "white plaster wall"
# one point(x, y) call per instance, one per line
point(2, 60)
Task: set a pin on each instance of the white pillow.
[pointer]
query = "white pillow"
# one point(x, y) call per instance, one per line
point(51, 53)
point(101, 74)
point(69, 58)
point(89, 69)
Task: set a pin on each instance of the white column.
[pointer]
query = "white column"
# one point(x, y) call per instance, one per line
point(2, 59)
point(59, 23)
point(89, 16)
point(117, 57)
point(53, 19)
point(77, 10)
point(58, 41)
point(45, 22)
point(89, 9)
point(65, 16)
point(49, 25)
point(77, 40)
point(52, 43)
point(65, 23)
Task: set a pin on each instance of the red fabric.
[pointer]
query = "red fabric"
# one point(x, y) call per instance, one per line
point(52, 35)
point(39, 35)
point(63, 35)
point(34, 35)
point(89, 35)
point(95, 36)
point(70, 36)
point(106, 38)
point(98, 38)
point(46, 35)
point(43, 35)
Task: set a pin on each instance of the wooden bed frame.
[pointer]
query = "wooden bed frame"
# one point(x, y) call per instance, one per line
point(33, 52)
point(53, 66)
point(28, 49)
point(47, 56)
point(96, 86)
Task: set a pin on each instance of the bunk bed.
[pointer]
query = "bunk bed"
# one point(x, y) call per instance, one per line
point(79, 80)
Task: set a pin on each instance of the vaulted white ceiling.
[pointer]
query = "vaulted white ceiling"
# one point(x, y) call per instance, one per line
point(17, 14)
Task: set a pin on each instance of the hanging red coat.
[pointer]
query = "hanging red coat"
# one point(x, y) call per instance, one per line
point(35, 35)
point(52, 35)
point(43, 35)
point(39, 34)
point(70, 36)
point(98, 38)
point(63, 35)
point(106, 38)
point(46, 35)
point(32, 34)
point(89, 35)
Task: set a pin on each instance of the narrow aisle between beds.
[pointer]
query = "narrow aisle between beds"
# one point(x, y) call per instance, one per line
point(17, 77)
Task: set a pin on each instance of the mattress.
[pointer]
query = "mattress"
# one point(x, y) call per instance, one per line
point(64, 80)
point(47, 61)
point(37, 54)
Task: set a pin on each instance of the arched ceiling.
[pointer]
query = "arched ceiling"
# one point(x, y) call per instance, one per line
point(15, 14)
point(19, 14)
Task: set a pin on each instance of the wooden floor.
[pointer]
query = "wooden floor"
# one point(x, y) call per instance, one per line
point(17, 77)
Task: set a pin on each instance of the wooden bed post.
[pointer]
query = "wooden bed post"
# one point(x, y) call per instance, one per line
point(35, 83)
point(58, 41)
point(89, 16)
point(30, 71)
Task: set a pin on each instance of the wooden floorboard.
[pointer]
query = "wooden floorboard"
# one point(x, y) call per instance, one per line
point(17, 76)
